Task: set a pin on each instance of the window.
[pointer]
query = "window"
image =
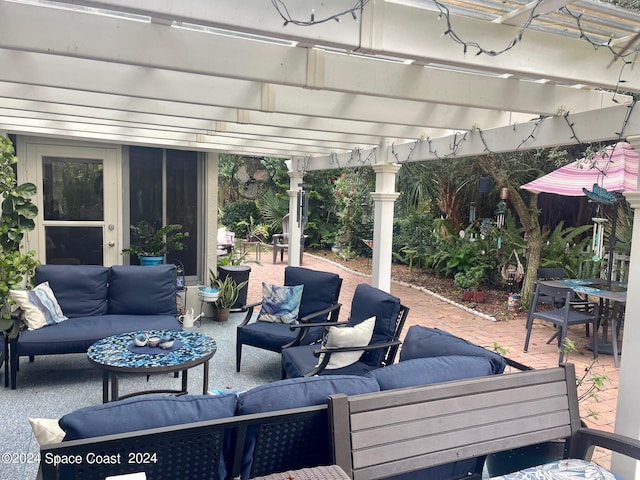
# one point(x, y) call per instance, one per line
point(163, 189)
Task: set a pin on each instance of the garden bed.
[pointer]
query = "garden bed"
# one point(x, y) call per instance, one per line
point(495, 303)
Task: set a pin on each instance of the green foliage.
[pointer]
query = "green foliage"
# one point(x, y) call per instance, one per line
point(18, 215)
point(229, 290)
point(148, 241)
point(234, 257)
point(472, 278)
point(255, 230)
point(236, 215)
point(589, 383)
point(567, 248)
point(351, 190)
point(413, 237)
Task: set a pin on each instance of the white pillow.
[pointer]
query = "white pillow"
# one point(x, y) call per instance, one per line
point(356, 336)
point(40, 306)
point(46, 430)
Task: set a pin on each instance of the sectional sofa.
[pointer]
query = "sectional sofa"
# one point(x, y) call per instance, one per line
point(271, 428)
point(99, 302)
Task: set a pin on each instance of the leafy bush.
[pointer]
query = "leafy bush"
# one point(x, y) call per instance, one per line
point(236, 215)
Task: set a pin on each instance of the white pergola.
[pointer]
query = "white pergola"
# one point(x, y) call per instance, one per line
point(381, 85)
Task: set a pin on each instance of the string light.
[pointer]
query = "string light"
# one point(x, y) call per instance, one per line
point(283, 11)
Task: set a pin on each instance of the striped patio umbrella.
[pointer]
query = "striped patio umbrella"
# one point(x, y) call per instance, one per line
point(614, 170)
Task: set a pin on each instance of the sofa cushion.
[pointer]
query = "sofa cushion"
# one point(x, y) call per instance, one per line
point(76, 335)
point(39, 305)
point(301, 392)
point(280, 304)
point(421, 342)
point(313, 445)
point(137, 290)
point(81, 290)
point(370, 302)
point(135, 414)
point(424, 371)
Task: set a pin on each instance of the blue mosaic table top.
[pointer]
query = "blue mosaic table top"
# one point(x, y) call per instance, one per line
point(114, 352)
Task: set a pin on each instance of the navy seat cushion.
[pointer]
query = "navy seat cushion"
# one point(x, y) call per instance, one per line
point(135, 414)
point(76, 335)
point(298, 361)
point(421, 342)
point(138, 290)
point(267, 335)
point(296, 393)
point(81, 290)
point(424, 371)
point(367, 302)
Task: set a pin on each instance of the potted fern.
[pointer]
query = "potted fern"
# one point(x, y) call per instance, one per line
point(151, 244)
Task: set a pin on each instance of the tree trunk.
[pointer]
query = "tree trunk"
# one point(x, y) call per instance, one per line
point(528, 216)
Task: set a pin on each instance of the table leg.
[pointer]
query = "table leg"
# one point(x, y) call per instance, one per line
point(205, 378)
point(105, 386)
point(184, 381)
point(115, 395)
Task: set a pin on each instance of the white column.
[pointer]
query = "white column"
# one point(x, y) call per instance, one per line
point(211, 213)
point(383, 201)
point(295, 232)
point(627, 412)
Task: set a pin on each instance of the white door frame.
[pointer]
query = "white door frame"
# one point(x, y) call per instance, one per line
point(31, 150)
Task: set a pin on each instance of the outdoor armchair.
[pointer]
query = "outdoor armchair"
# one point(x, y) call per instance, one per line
point(561, 317)
point(368, 302)
point(319, 303)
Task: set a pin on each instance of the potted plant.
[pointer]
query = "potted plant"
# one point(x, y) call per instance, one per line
point(152, 244)
point(229, 291)
point(469, 282)
point(16, 265)
point(256, 232)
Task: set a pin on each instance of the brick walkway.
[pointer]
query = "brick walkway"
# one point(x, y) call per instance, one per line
point(430, 311)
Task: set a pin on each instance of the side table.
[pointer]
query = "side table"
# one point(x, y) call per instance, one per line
point(247, 244)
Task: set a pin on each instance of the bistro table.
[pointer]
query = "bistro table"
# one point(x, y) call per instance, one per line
point(613, 298)
point(118, 354)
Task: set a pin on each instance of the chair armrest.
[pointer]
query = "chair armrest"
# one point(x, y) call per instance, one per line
point(305, 323)
point(586, 439)
point(16, 318)
point(329, 350)
point(249, 309)
point(277, 238)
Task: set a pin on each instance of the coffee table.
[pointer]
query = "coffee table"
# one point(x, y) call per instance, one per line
point(117, 354)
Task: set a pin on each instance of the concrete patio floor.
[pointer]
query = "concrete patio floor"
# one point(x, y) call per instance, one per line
point(428, 310)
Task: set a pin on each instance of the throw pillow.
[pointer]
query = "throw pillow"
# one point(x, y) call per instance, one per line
point(280, 304)
point(39, 305)
point(46, 430)
point(357, 336)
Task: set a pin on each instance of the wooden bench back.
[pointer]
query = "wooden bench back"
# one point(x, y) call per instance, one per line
point(387, 433)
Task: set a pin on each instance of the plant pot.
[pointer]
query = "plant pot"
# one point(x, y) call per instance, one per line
point(150, 260)
point(335, 249)
point(509, 461)
point(467, 295)
point(220, 314)
point(239, 273)
point(478, 296)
